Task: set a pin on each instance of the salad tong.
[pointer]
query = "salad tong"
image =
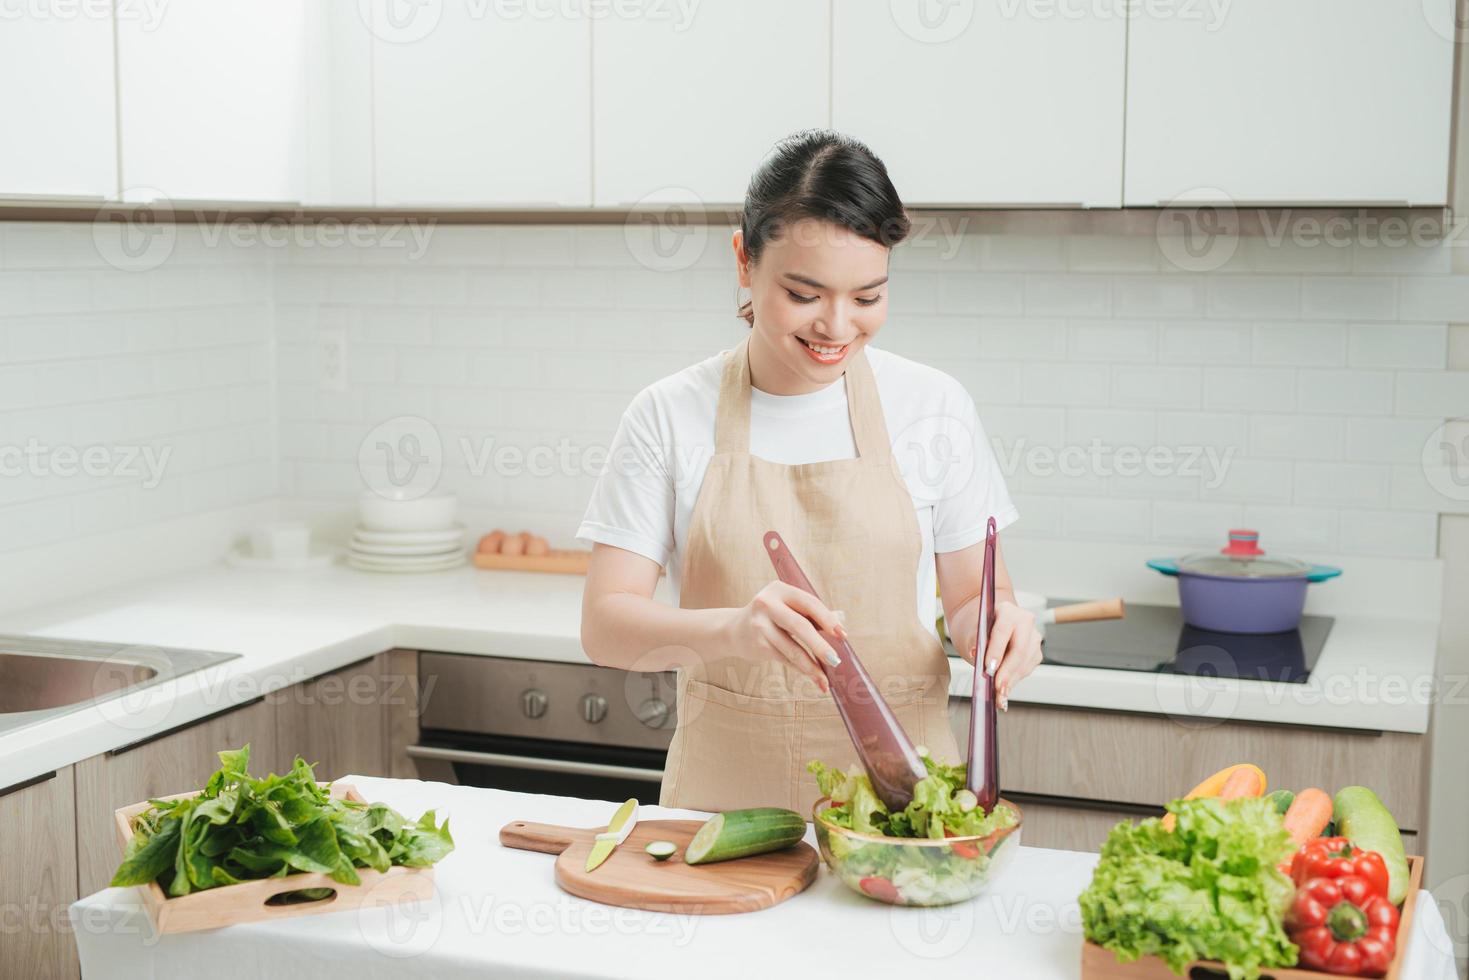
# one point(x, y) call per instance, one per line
point(883, 747)
point(983, 778)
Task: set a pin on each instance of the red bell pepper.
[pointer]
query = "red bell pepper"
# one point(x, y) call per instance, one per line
point(1337, 857)
point(1343, 925)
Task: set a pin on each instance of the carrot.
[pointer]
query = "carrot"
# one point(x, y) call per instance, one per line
point(1241, 782)
point(1308, 815)
point(1214, 786)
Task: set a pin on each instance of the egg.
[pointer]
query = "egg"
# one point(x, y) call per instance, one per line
point(537, 545)
point(490, 543)
point(514, 544)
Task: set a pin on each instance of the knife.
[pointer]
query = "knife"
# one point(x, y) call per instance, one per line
point(616, 832)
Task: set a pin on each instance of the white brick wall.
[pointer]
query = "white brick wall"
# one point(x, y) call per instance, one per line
point(1314, 374)
point(128, 395)
point(1313, 377)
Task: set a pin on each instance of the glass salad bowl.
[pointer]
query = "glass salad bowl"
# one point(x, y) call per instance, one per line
point(915, 870)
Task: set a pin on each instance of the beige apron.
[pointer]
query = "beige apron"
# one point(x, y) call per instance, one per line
point(746, 729)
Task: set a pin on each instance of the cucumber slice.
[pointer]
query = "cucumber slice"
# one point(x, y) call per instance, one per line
point(661, 850)
point(741, 833)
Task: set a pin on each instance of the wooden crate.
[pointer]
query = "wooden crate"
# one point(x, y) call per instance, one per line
point(1100, 964)
point(249, 900)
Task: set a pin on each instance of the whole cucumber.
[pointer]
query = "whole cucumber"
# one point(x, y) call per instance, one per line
point(1362, 819)
point(742, 833)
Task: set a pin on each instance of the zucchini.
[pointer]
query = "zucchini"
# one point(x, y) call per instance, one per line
point(741, 833)
point(660, 850)
point(1362, 819)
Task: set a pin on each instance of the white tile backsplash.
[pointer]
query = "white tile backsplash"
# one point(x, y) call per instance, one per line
point(1293, 389)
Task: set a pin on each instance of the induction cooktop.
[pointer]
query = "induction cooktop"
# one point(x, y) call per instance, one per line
point(1156, 639)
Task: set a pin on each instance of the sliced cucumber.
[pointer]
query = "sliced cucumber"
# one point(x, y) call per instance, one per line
point(741, 833)
point(660, 850)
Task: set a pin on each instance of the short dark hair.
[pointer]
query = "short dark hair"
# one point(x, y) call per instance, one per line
point(817, 173)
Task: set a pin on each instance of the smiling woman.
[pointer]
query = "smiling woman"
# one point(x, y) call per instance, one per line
point(873, 468)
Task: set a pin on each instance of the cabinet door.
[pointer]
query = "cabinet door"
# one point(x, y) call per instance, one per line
point(1312, 101)
point(39, 856)
point(177, 762)
point(481, 104)
point(213, 101)
point(690, 101)
point(57, 114)
point(338, 721)
point(1069, 826)
point(978, 103)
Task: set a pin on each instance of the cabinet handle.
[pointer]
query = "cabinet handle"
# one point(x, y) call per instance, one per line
point(526, 762)
point(124, 749)
point(27, 783)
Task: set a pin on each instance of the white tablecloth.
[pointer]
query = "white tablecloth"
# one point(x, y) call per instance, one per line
point(498, 913)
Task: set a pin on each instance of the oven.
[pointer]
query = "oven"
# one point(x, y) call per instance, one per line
point(531, 726)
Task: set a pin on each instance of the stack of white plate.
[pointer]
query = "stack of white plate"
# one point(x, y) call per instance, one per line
point(418, 535)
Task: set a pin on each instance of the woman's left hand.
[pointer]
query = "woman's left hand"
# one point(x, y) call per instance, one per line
point(1014, 648)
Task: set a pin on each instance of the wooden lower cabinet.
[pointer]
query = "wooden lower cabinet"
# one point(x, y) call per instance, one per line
point(339, 721)
point(175, 762)
point(1126, 760)
point(38, 878)
point(1069, 825)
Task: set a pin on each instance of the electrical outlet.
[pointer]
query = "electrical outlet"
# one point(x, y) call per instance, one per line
point(331, 359)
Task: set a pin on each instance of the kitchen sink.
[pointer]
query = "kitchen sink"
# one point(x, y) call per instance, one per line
point(42, 677)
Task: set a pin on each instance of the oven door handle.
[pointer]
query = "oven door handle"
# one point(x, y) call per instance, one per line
point(527, 762)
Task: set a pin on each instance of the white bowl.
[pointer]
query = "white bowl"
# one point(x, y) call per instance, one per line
point(431, 512)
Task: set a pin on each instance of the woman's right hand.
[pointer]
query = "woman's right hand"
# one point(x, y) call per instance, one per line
point(777, 624)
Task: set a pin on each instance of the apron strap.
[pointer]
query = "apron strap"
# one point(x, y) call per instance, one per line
point(732, 418)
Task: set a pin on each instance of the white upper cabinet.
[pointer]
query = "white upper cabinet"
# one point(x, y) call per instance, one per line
point(985, 103)
point(213, 101)
point(57, 111)
point(1290, 102)
point(689, 97)
point(479, 103)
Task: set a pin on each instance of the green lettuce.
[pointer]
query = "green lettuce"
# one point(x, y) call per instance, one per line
point(941, 806)
point(1207, 890)
point(240, 828)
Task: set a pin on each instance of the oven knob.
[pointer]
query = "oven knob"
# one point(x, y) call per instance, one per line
point(653, 713)
point(533, 703)
point(593, 708)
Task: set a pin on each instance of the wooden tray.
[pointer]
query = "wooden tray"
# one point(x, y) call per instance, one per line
point(632, 879)
point(247, 901)
point(572, 562)
point(1100, 964)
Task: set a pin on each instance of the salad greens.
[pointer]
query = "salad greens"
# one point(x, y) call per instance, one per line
point(241, 828)
point(941, 806)
point(924, 875)
point(1208, 889)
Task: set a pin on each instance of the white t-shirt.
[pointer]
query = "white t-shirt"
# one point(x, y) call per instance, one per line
point(644, 499)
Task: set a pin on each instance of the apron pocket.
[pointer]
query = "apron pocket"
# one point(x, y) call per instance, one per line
point(733, 751)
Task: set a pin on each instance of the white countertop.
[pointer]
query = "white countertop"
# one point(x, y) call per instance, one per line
point(1374, 673)
point(497, 912)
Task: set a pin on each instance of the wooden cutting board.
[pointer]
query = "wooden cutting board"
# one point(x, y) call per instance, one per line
point(633, 879)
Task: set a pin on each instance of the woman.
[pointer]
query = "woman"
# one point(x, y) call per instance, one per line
point(791, 432)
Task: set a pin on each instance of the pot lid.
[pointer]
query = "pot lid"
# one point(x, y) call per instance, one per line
point(1242, 558)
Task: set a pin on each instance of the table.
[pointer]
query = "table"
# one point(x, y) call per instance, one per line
point(498, 913)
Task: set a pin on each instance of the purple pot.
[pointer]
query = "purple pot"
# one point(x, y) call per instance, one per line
point(1239, 590)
